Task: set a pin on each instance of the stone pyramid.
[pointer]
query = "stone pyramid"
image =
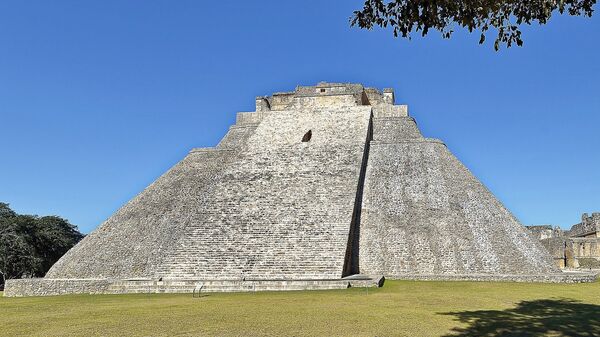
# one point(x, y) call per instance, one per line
point(317, 184)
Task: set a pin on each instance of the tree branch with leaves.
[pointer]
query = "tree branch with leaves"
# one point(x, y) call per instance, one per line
point(503, 16)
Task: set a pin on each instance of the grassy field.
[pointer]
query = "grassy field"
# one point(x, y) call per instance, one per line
point(400, 308)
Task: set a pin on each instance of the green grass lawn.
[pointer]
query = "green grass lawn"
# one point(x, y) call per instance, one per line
point(400, 308)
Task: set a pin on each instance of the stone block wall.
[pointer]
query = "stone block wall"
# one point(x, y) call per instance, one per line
point(557, 247)
point(578, 247)
point(236, 136)
point(588, 227)
point(424, 213)
point(391, 129)
point(585, 247)
point(283, 209)
point(133, 241)
point(261, 204)
point(541, 232)
point(52, 287)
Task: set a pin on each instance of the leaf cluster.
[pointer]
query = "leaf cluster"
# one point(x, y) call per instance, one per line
point(505, 16)
point(30, 245)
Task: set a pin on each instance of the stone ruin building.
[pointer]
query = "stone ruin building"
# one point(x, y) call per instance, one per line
point(328, 186)
point(576, 248)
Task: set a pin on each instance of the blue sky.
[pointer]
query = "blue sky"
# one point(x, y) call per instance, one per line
point(97, 99)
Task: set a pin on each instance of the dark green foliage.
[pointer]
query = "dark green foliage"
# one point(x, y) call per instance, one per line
point(505, 16)
point(30, 245)
point(5, 211)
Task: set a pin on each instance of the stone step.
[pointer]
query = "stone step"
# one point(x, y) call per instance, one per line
point(189, 286)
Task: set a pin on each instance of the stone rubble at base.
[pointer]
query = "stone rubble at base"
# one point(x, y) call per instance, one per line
point(320, 183)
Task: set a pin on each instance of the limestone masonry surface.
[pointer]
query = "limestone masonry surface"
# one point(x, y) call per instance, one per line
point(577, 248)
point(315, 186)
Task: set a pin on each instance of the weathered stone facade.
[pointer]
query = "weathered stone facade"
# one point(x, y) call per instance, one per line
point(317, 184)
point(589, 227)
point(577, 248)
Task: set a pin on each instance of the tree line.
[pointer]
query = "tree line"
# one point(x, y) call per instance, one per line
point(30, 244)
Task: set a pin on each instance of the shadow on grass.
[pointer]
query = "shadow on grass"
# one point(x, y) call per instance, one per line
point(548, 317)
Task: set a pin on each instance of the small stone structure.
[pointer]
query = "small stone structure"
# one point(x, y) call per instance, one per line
point(313, 188)
point(578, 247)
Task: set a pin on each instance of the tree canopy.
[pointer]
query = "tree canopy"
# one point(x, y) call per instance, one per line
point(504, 16)
point(30, 245)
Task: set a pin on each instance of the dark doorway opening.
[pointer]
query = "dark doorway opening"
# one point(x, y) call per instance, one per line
point(307, 136)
